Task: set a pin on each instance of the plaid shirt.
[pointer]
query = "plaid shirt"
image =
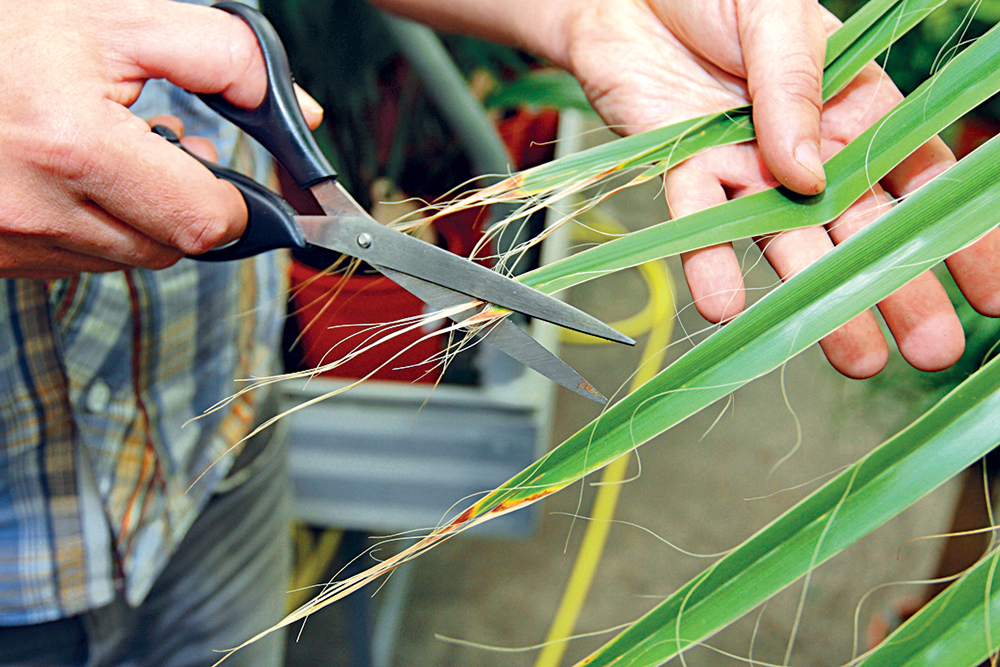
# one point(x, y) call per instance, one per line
point(99, 377)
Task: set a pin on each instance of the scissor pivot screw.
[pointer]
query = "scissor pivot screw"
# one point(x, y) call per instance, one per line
point(364, 240)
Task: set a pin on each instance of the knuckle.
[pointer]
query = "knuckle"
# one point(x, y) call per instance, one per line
point(197, 235)
point(798, 81)
point(243, 64)
point(860, 215)
point(244, 56)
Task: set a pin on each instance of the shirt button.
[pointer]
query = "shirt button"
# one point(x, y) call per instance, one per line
point(98, 396)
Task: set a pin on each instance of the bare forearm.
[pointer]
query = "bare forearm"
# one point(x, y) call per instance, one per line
point(538, 26)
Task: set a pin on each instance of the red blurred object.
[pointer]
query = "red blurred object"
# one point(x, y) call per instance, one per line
point(332, 329)
point(974, 131)
point(530, 136)
point(336, 314)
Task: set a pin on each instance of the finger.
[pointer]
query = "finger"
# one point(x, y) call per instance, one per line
point(79, 226)
point(713, 274)
point(201, 147)
point(189, 209)
point(716, 282)
point(198, 146)
point(311, 109)
point(873, 203)
point(920, 315)
point(171, 44)
point(863, 102)
point(784, 46)
point(174, 47)
point(927, 162)
point(868, 98)
point(923, 322)
point(976, 271)
point(172, 123)
point(857, 349)
point(28, 257)
point(89, 231)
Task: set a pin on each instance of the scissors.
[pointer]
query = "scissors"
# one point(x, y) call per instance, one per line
point(439, 278)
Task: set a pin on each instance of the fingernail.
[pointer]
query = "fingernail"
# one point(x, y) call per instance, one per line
point(306, 101)
point(807, 154)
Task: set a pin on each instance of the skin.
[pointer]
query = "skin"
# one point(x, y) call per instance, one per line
point(84, 186)
point(786, 110)
point(645, 64)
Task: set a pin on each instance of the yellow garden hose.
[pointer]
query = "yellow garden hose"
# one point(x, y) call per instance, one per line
point(313, 555)
point(656, 321)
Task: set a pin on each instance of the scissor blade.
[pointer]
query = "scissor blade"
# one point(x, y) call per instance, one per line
point(348, 229)
point(505, 335)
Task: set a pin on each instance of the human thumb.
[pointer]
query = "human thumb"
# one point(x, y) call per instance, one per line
point(784, 47)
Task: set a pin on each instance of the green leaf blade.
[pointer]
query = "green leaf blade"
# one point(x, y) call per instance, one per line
point(964, 83)
point(952, 628)
point(958, 431)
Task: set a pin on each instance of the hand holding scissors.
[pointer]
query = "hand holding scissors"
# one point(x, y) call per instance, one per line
point(439, 278)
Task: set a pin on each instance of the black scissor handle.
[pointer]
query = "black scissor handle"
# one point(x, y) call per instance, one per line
point(277, 123)
point(270, 220)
